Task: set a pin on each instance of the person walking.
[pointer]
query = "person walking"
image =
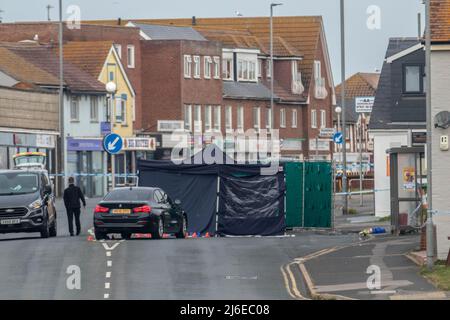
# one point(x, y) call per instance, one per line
point(72, 197)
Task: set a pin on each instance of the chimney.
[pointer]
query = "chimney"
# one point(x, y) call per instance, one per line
point(119, 21)
point(194, 21)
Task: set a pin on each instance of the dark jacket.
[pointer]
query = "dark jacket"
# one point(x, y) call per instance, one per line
point(72, 197)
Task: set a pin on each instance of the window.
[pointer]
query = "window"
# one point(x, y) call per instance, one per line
point(94, 109)
point(317, 70)
point(131, 57)
point(413, 80)
point(196, 67)
point(227, 69)
point(216, 67)
point(217, 118)
point(111, 76)
point(323, 119)
point(74, 109)
point(294, 118)
point(208, 63)
point(118, 48)
point(229, 118)
point(208, 118)
point(121, 111)
point(240, 118)
point(259, 68)
point(268, 68)
point(268, 118)
point(256, 118)
point(187, 66)
point(295, 73)
point(313, 119)
point(198, 119)
point(247, 70)
point(283, 118)
point(188, 117)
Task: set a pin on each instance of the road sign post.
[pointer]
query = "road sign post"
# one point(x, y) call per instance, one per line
point(113, 144)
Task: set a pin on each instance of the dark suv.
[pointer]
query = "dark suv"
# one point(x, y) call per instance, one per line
point(27, 203)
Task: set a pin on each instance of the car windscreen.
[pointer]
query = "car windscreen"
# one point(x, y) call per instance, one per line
point(12, 183)
point(129, 195)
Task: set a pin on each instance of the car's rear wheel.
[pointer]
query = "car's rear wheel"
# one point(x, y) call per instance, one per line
point(126, 235)
point(100, 235)
point(159, 232)
point(183, 229)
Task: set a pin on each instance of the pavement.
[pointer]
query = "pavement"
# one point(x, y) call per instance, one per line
point(201, 269)
point(345, 272)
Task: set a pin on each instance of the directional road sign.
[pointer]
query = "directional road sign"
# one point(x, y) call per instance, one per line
point(338, 138)
point(113, 143)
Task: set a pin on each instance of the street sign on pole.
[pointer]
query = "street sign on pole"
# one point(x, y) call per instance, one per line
point(113, 143)
point(364, 104)
point(338, 138)
point(327, 132)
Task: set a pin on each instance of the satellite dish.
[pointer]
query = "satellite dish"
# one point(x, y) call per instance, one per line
point(442, 120)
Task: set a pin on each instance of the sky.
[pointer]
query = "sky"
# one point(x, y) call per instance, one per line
point(365, 47)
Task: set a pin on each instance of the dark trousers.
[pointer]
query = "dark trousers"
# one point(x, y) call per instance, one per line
point(71, 213)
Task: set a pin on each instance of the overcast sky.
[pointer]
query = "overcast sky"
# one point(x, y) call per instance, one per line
point(365, 47)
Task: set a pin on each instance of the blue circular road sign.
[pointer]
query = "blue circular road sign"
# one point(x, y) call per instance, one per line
point(338, 138)
point(113, 143)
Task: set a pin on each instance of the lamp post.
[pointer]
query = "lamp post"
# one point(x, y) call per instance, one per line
point(343, 106)
point(272, 118)
point(429, 224)
point(111, 88)
point(62, 136)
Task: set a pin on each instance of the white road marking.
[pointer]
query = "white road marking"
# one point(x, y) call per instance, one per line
point(106, 296)
point(109, 263)
point(108, 248)
point(108, 253)
point(108, 274)
point(107, 285)
point(359, 286)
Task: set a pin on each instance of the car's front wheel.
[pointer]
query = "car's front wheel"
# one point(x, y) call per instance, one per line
point(159, 232)
point(53, 229)
point(45, 229)
point(183, 229)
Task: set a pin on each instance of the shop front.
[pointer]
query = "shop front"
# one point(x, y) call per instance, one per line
point(12, 143)
point(86, 161)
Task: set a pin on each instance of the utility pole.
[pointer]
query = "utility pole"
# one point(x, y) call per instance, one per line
point(429, 225)
point(272, 76)
point(344, 125)
point(62, 137)
point(49, 7)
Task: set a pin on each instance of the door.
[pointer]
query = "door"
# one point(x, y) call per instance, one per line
point(50, 199)
point(172, 218)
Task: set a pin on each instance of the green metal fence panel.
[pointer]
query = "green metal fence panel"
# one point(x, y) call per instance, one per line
point(294, 194)
point(318, 195)
point(308, 194)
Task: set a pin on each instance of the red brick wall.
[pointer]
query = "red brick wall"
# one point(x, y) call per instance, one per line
point(165, 90)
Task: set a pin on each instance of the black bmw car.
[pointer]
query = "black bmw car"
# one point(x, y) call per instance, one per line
point(139, 210)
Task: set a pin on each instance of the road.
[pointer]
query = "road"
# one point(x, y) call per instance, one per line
point(215, 268)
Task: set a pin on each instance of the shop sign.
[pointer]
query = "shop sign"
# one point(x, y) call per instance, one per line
point(45, 141)
point(84, 145)
point(140, 144)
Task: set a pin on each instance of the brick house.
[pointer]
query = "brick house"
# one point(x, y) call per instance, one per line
point(302, 76)
point(358, 85)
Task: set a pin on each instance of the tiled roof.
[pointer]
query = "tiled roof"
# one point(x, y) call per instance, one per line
point(90, 56)
point(22, 70)
point(45, 62)
point(360, 85)
point(156, 32)
point(440, 20)
point(302, 33)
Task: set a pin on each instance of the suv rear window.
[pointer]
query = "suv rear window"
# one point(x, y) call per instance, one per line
point(129, 195)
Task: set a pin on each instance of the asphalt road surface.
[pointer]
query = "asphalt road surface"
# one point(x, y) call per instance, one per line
point(215, 268)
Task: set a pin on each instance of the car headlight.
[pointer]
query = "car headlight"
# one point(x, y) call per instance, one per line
point(36, 204)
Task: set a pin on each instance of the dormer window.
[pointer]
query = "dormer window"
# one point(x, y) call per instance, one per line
point(320, 89)
point(227, 69)
point(247, 70)
point(297, 85)
point(208, 64)
point(413, 79)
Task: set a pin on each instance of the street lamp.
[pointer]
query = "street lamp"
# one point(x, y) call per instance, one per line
point(62, 137)
point(272, 118)
point(111, 88)
point(343, 106)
